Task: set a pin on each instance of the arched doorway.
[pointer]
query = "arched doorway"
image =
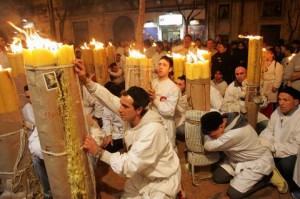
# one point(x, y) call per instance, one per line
point(123, 29)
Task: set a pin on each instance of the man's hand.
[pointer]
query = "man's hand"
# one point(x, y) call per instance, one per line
point(90, 145)
point(151, 93)
point(107, 140)
point(81, 71)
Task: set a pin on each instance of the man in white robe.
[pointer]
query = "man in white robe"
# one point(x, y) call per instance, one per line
point(151, 165)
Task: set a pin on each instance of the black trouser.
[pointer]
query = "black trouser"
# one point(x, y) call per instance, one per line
point(286, 168)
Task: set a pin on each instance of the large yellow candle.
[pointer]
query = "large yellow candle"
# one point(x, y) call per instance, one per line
point(189, 71)
point(43, 57)
point(205, 69)
point(254, 59)
point(110, 53)
point(88, 60)
point(8, 94)
point(178, 66)
point(197, 72)
point(65, 55)
point(144, 62)
point(16, 62)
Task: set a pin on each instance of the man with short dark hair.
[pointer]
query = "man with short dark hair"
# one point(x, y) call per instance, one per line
point(282, 135)
point(151, 165)
point(248, 164)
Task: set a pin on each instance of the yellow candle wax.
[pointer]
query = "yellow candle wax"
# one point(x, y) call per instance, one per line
point(87, 57)
point(65, 55)
point(43, 57)
point(16, 62)
point(178, 67)
point(205, 69)
point(135, 61)
point(28, 58)
point(9, 98)
point(110, 54)
point(254, 59)
point(189, 71)
point(128, 61)
point(197, 70)
point(144, 62)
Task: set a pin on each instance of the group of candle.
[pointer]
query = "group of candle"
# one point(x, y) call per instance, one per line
point(197, 66)
point(138, 71)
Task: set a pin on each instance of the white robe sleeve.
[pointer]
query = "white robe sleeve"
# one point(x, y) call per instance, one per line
point(107, 122)
point(104, 96)
point(223, 143)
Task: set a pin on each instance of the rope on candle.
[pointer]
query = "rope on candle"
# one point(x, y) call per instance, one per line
point(54, 154)
point(8, 134)
point(47, 67)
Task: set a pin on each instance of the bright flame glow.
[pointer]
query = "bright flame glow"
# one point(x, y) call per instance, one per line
point(34, 41)
point(291, 56)
point(0, 67)
point(136, 54)
point(16, 45)
point(98, 45)
point(85, 46)
point(250, 36)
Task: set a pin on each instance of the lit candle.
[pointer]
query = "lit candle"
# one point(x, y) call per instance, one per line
point(110, 49)
point(65, 55)
point(205, 69)
point(254, 59)
point(178, 61)
point(88, 60)
point(189, 71)
point(16, 62)
point(8, 94)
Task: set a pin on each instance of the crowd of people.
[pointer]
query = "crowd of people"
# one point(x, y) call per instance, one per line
point(146, 123)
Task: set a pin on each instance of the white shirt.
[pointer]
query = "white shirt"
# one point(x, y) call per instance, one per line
point(33, 140)
point(112, 124)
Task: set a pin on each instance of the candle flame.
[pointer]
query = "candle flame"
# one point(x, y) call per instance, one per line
point(136, 54)
point(291, 56)
point(85, 46)
point(98, 45)
point(16, 45)
point(250, 36)
point(0, 67)
point(34, 41)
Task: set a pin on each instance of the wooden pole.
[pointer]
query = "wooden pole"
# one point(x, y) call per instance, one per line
point(140, 25)
point(253, 76)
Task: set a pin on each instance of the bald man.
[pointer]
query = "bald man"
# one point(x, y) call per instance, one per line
point(234, 99)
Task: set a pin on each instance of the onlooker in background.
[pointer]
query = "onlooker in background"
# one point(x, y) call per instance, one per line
point(120, 61)
point(296, 45)
point(35, 146)
point(185, 47)
point(222, 61)
point(295, 76)
point(234, 99)
point(210, 47)
point(159, 52)
point(240, 56)
point(112, 124)
point(271, 80)
point(279, 54)
point(150, 50)
point(198, 43)
point(116, 73)
point(287, 66)
point(218, 82)
point(282, 135)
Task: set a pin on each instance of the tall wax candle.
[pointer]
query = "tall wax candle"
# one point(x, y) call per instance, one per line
point(65, 55)
point(9, 98)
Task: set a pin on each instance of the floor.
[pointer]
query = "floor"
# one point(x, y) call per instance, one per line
point(109, 185)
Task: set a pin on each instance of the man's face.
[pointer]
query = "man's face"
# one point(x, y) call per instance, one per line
point(218, 75)
point(118, 58)
point(286, 102)
point(163, 68)
point(27, 95)
point(217, 133)
point(187, 42)
point(126, 110)
point(210, 44)
point(240, 74)
point(181, 85)
point(115, 68)
point(221, 48)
